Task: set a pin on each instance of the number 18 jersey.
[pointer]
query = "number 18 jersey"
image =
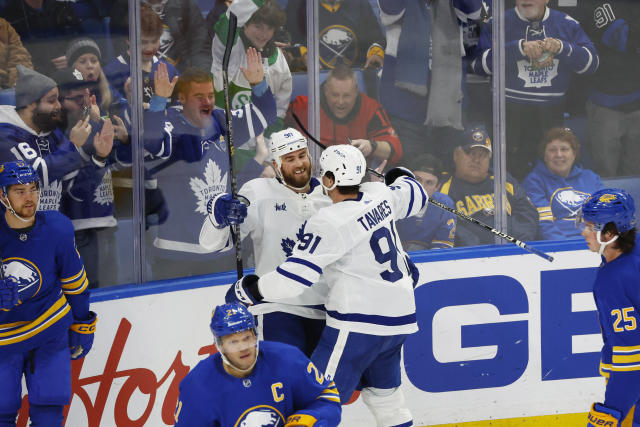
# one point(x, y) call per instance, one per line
point(354, 244)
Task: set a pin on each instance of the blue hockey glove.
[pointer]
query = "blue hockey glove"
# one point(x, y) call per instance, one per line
point(395, 173)
point(8, 293)
point(224, 210)
point(81, 336)
point(244, 291)
point(415, 274)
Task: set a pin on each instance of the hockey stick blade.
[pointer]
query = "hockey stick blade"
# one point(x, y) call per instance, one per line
point(457, 213)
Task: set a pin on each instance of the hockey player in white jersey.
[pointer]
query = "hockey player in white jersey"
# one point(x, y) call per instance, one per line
point(274, 219)
point(370, 304)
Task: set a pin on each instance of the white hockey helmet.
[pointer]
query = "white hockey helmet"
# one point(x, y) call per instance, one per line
point(284, 142)
point(347, 164)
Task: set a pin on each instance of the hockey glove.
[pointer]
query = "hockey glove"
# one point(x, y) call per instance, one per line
point(81, 336)
point(395, 173)
point(304, 420)
point(224, 210)
point(8, 293)
point(245, 291)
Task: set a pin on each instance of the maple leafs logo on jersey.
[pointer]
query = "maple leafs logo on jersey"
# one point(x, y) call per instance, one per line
point(288, 244)
point(103, 195)
point(215, 182)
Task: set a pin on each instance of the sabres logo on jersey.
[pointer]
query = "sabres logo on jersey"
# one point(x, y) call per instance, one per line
point(566, 202)
point(338, 44)
point(260, 416)
point(25, 273)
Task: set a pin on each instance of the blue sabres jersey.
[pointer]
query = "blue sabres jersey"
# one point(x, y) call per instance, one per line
point(558, 199)
point(45, 263)
point(284, 382)
point(433, 228)
point(617, 295)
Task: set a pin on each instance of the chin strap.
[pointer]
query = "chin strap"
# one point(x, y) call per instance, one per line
point(228, 363)
point(10, 209)
point(603, 245)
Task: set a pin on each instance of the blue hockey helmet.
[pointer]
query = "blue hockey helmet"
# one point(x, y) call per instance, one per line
point(231, 318)
point(12, 173)
point(610, 205)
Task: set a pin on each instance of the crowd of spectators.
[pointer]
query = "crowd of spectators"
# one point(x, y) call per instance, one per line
point(406, 81)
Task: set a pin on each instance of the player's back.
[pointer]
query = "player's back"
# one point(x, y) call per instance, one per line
point(371, 289)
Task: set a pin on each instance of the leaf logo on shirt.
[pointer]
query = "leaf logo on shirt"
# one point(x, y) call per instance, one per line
point(50, 196)
point(214, 182)
point(103, 195)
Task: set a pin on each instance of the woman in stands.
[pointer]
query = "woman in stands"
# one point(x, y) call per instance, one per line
point(558, 185)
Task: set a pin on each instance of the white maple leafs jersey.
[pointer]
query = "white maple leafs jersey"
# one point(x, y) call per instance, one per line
point(275, 221)
point(355, 246)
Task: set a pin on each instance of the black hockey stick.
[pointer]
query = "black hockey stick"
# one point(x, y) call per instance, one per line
point(457, 213)
point(235, 229)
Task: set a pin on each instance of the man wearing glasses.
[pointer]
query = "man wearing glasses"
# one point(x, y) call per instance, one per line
point(30, 132)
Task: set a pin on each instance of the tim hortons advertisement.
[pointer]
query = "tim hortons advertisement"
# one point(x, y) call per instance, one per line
point(500, 337)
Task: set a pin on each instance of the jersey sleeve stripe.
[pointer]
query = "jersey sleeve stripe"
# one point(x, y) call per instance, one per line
point(422, 192)
point(56, 312)
point(305, 263)
point(77, 286)
point(410, 200)
point(294, 277)
point(247, 112)
point(259, 115)
point(330, 398)
point(73, 278)
point(633, 358)
point(373, 318)
point(626, 349)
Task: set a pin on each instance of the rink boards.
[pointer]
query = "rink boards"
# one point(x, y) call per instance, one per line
point(504, 335)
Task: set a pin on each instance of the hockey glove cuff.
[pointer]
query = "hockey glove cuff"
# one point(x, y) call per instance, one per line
point(8, 294)
point(395, 173)
point(245, 291)
point(224, 210)
point(81, 336)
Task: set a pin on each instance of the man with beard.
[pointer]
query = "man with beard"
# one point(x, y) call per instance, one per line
point(44, 302)
point(275, 218)
point(188, 156)
point(30, 132)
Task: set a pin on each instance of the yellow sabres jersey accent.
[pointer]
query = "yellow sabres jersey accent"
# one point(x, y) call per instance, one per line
point(302, 420)
point(605, 198)
point(75, 284)
point(626, 358)
point(443, 242)
point(56, 312)
point(277, 397)
point(623, 349)
point(254, 408)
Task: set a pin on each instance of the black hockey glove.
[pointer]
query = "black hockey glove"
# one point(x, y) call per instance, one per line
point(395, 173)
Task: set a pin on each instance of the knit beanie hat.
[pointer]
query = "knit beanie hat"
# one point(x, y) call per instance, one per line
point(79, 47)
point(69, 79)
point(31, 86)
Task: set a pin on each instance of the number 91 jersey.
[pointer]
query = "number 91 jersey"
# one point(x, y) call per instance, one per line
point(354, 244)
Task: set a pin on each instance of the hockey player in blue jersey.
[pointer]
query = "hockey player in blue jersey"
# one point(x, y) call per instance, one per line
point(370, 304)
point(44, 305)
point(251, 383)
point(608, 226)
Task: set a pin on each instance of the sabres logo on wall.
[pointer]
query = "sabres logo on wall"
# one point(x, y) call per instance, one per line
point(260, 416)
point(25, 273)
point(338, 44)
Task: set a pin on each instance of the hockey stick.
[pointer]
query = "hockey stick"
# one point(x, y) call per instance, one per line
point(457, 213)
point(235, 229)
